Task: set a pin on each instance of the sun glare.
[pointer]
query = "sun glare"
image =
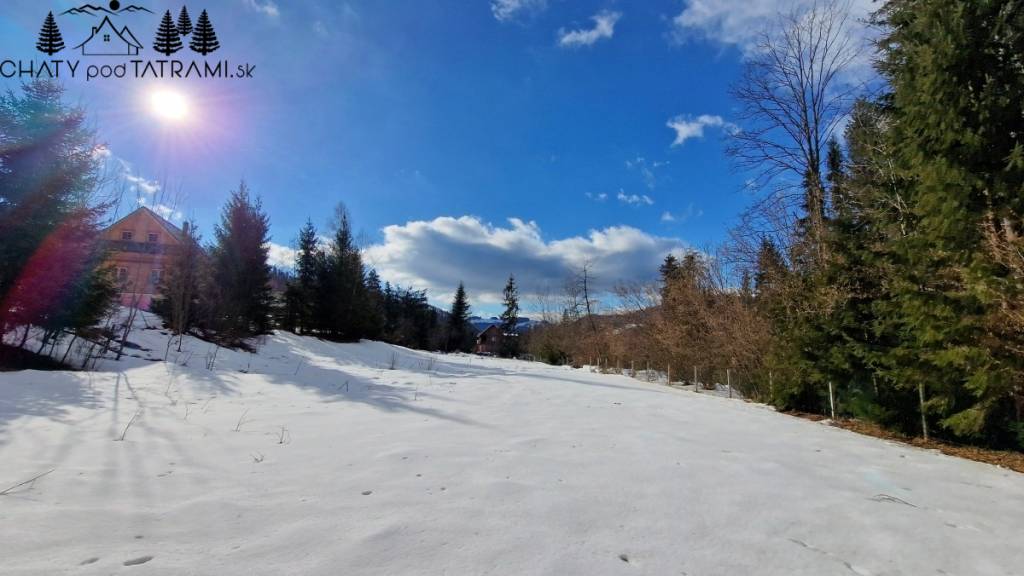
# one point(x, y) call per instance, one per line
point(169, 106)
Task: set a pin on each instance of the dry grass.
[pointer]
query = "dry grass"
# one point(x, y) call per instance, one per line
point(1010, 460)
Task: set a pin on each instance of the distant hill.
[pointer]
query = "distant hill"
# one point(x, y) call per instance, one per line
point(481, 324)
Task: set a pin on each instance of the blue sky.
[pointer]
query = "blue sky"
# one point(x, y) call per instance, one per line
point(469, 139)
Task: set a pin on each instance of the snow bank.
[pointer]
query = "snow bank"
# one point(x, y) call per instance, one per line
point(316, 458)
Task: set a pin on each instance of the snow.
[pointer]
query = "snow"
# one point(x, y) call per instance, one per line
point(320, 459)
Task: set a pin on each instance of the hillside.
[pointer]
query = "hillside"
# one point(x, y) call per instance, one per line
point(316, 458)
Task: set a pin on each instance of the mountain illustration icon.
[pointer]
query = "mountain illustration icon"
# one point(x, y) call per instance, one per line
point(113, 8)
point(107, 40)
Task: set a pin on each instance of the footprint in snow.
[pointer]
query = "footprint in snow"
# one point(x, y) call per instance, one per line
point(137, 561)
point(92, 560)
point(367, 492)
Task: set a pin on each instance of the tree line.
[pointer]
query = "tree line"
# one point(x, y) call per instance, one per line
point(880, 269)
point(54, 201)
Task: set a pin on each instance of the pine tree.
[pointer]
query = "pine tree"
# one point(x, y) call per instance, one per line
point(953, 67)
point(343, 297)
point(510, 319)
point(49, 237)
point(204, 39)
point(168, 40)
point(460, 337)
point(375, 307)
point(50, 40)
point(239, 290)
point(309, 264)
point(184, 22)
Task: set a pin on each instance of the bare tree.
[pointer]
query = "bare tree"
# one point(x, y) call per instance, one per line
point(579, 286)
point(795, 94)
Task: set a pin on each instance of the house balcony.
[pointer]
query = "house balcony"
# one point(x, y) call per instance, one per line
point(140, 247)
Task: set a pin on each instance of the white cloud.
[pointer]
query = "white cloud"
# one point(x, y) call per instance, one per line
point(281, 256)
point(687, 128)
point(646, 170)
point(123, 169)
point(168, 212)
point(597, 197)
point(691, 212)
point(604, 27)
point(265, 7)
point(140, 184)
point(165, 211)
point(634, 199)
point(506, 10)
point(440, 253)
point(740, 22)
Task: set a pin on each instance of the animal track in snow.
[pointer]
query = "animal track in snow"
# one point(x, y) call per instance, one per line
point(137, 561)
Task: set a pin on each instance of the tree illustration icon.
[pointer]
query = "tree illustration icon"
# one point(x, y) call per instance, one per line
point(167, 39)
point(204, 39)
point(184, 22)
point(50, 40)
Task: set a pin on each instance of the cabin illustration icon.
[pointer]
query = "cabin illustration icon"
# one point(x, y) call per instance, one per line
point(107, 40)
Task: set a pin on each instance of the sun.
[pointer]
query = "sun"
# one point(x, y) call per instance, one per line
point(169, 106)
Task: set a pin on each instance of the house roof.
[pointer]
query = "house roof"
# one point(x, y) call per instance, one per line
point(124, 34)
point(171, 229)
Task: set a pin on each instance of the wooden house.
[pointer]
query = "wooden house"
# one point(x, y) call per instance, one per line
point(140, 247)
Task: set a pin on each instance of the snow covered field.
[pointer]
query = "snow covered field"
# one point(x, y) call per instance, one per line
point(324, 460)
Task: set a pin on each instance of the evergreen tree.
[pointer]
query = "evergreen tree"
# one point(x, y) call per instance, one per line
point(50, 39)
point(510, 316)
point(204, 39)
point(50, 247)
point(375, 307)
point(669, 268)
point(240, 292)
point(954, 70)
point(168, 40)
point(510, 319)
point(669, 271)
point(310, 262)
point(343, 284)
point(460, 336)
point(184, 22)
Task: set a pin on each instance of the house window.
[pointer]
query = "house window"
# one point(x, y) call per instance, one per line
point(153, 237)
point(106, 37)
point(122, 274)
point(127, 236)
point(155, 276)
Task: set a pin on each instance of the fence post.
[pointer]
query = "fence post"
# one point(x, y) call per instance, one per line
point(669, 372)
point(648, 370)
point(632, 369)
point(924, 420)
point(771, 387)
point(728, 381)
point(832, 399)
point(696, 385)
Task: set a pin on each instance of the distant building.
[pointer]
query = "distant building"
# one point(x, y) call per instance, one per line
point(107, 40)
point(490, 341)
point(140, 247)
